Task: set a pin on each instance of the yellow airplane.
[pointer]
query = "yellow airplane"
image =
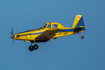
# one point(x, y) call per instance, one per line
point(50, 31)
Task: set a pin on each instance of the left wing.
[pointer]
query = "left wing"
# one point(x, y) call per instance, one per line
point(49, 34)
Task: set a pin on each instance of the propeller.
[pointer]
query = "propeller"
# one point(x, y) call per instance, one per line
point(12, 35)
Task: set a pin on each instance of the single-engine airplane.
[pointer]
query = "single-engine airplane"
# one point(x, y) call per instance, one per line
point(49, 31)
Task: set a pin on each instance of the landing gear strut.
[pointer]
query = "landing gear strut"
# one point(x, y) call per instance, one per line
point(82, 37)
point(35, 46)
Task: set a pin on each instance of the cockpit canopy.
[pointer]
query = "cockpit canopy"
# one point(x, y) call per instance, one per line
point(52, 25)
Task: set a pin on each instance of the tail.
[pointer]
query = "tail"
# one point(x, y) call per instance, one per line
point(78, 22)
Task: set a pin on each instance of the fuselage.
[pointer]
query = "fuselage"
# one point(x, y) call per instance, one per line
point(33, 34)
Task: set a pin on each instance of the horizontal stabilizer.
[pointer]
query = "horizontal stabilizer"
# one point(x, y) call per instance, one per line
point(82, 27)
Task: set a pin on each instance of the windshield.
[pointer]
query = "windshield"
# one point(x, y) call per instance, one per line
point(44, 25)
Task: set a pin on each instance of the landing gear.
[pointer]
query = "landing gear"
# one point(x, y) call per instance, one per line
point(82, 37)
point(31, 48)
point(35, 46)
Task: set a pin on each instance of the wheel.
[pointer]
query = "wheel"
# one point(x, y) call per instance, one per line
point(36, 46)
point(82, 37)
point(31, 48)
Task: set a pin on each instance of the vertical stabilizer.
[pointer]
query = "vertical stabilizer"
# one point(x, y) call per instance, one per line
point(78, 21)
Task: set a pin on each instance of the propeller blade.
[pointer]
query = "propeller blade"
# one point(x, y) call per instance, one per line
point(12, 30)
point(13, 41)
point(12, 35)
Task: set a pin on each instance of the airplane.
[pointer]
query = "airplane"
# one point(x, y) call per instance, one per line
point(50, 31)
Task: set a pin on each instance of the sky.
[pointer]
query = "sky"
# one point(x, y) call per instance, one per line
point(64, 53)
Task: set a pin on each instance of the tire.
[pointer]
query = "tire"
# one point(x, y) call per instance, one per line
point(31, 48)
point(82, 37)
point(36, 46)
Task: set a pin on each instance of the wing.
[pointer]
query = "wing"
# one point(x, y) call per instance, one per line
point(49, 34)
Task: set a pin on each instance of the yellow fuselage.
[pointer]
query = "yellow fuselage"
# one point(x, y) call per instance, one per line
point(32, 35)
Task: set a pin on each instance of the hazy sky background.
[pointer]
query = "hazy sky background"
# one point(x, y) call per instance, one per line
point(65, 53)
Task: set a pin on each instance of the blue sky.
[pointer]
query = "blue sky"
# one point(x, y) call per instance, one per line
point(65, 53)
